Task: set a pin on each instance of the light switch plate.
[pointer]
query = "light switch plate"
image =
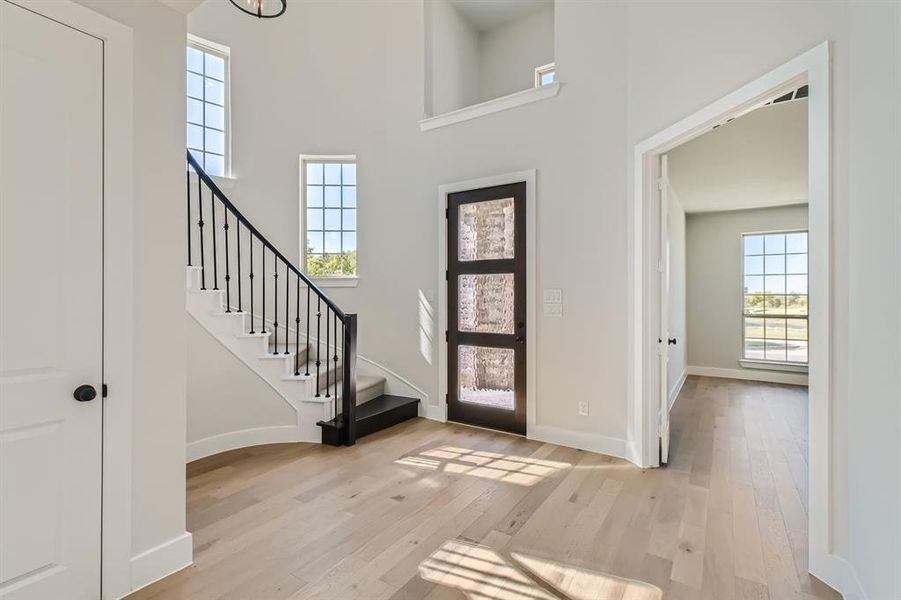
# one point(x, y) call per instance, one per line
point(553, 310)
point(553, 295)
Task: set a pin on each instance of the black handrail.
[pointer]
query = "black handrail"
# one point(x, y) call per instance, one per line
point(240, 217)
point(324, 304)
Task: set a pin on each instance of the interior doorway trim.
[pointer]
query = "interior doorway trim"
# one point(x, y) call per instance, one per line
point(438, 411)
point(118, 230)
point(812, 67)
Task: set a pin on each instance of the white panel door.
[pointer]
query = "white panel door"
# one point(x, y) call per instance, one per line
point(663, 339)
point(51, 283)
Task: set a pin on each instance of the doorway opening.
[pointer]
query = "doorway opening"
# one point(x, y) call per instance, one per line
point(649, 405)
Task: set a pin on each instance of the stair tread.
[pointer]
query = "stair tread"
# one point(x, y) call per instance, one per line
point(373, 408)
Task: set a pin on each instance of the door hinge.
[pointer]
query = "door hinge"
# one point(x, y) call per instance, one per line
point(104, 391)
point(447, 213)
point(446, 276)
point(660, 183)
point(446, 336)
point(660, 266)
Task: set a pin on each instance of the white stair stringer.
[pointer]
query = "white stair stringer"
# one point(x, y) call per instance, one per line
point(230, 329)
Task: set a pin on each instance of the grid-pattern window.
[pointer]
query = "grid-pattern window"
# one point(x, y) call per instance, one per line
point(208, 106)
point(330, 209)
point(545, 74)
point(775, 296)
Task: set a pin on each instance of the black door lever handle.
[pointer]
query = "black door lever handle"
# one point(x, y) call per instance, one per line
point(85, 393)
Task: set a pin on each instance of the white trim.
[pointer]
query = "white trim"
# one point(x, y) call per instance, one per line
point(336, 282)
point(674, 392)
point(161, 561)
point(581, 440)
point(118, 264)
point(491, 106)
point(749, 375)
point(438, 411)
point(812, 67)
point(231, 440)
point(748, 363)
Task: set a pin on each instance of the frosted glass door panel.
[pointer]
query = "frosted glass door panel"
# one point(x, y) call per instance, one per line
point(486, 303)
point(486, 230)
point(487, 376)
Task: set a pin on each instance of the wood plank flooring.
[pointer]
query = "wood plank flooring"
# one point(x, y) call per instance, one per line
point(444, 512)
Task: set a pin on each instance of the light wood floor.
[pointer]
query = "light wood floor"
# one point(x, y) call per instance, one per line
point(440, 512)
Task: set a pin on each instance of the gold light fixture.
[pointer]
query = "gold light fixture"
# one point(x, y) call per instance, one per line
point(262, 9)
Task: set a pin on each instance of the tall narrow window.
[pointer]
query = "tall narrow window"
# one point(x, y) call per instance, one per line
point(775, 297)
point(545, 74)
point(329, 205)
point(207, 65)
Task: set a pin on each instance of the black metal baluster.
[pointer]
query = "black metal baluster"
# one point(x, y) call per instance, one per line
point(228, 287)
point(327, 341)
point(238, 237)
point(318, 340)
point(335, 357)
point(188, 188)
point(297, 330)
point(307, 367)
point(250, 243)
point(200, 225)
point(263, 325)
point(215, 256)
point(287, 305)
point(275, 304)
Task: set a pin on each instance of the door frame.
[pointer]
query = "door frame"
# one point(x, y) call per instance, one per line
point(118, 298)
point(438, 410)
point(812, 67)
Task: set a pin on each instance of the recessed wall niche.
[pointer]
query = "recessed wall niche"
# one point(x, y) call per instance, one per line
point(478, 50)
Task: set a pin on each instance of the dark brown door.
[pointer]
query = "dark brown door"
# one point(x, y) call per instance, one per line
point(486, 288)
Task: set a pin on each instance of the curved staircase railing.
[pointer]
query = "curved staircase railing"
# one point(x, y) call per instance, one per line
point(312, 310)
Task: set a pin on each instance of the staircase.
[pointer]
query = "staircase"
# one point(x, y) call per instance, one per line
point(273, 318)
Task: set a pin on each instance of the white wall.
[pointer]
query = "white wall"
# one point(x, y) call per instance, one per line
point(757, 160)
point(509, 54)
point(714, 269)
point(452, 59)
point(158, 459)
point(678, 318)
point(224, 395)
point(355, 84)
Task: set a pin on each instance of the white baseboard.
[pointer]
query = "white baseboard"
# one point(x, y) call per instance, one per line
point(750, 375)
point(674, 393)
point(435, 413)
point(161, 561)
point(581, 440)
point(242, 438)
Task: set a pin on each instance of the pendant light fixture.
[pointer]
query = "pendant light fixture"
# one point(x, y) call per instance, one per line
point(262, 9)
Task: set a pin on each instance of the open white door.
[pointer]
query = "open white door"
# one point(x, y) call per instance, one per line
point(663, 269)
point(51, 307)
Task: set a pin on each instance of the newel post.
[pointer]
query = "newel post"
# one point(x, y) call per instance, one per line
point(349, 383)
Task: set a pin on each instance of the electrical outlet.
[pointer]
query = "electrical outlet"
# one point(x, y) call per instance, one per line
point(583, 409)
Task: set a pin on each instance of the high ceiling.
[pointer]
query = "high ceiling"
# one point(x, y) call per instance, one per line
point(485, 15)
point(754, 161)
point(183, 6)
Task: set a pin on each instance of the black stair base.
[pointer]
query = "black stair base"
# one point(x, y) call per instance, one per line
point(375, 415)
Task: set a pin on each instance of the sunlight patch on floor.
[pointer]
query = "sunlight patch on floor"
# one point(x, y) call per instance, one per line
point(482, 573)
point(519, 470)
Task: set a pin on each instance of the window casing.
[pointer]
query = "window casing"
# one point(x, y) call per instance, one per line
point(775, 297)
point(329, 216)
point(545, 74)
point(208, 105)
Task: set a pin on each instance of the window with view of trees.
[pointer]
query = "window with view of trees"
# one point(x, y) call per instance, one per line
point(207, 105)
point(330, 216)
point(775, 297)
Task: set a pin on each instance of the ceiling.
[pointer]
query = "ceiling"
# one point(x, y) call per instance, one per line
point(754, 161)
point(183, 6)
point(485, 15)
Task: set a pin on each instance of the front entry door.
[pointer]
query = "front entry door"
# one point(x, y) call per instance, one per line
point(51, 286)
point(486, 288)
